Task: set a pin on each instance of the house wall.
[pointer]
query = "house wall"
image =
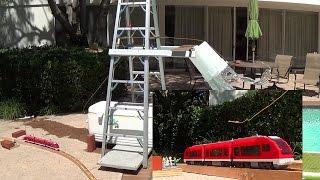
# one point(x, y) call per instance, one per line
point(26, 23)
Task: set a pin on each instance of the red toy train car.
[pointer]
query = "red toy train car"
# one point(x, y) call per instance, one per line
point(42, 142)
point(257, 152)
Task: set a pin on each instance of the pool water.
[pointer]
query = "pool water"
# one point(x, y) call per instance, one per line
point(311, 130)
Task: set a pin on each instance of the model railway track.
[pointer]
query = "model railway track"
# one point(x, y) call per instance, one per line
point(83, 168)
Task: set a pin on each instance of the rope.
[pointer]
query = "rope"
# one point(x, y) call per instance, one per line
point(93, 94)
point(247, 120)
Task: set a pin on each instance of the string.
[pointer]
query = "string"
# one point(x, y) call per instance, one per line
point(247, 120)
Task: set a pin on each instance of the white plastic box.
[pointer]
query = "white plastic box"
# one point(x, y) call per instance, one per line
point(127, 121)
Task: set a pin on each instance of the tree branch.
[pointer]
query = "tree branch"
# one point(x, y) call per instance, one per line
point(61, 18)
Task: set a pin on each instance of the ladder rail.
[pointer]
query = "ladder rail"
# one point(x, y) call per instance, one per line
point(148, 7)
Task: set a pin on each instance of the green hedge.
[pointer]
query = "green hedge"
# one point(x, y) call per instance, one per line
point(188, 123)
point(53, 79)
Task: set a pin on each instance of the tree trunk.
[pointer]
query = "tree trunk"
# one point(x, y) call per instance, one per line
point(61, 18)
point(102, 17)
point(83, 16)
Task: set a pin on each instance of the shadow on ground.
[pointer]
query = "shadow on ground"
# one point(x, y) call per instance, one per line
point(59, 129)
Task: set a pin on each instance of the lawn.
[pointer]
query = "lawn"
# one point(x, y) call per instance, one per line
point(310, 178)
point(311, 163)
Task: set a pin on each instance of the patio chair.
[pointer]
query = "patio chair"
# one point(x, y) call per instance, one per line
point(311, 72)
point(193, 74)
point(284, 63)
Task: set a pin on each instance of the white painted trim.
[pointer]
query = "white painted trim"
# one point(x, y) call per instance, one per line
point(213, 160)
point(197, 160)
point(281, 161)
point(272, 4)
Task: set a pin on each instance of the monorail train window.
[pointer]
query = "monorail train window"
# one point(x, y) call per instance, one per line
point(285, 149)
point(265, 147)
point(193, 154)
point(250, 150)
point(216, 152)
point(236, 151)
point(226, 152)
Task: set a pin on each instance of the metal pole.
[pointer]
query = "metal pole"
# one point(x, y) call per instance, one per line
point(156, 26)
point(128, 24)
point(106, 112)
point(108, 99)
point(146, 87)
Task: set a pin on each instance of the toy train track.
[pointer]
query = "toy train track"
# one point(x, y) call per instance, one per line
point(83, 168)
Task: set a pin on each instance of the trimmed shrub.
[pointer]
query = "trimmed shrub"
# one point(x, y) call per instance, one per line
point(54, 79)
point(179, 121)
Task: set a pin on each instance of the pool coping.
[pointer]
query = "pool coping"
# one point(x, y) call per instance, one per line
point(311, 104)
point(311, 152)
point(311, 174)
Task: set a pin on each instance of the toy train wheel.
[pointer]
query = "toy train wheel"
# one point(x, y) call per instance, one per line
point(266, 165)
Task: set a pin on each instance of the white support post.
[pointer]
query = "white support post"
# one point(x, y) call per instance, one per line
point(283, 30)
point(206, 24)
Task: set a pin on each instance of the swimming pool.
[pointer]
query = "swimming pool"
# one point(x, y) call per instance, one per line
point(311, 130)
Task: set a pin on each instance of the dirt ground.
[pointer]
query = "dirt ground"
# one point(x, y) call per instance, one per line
point(25, 162)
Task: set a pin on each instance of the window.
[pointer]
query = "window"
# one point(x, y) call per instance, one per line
point(226, 152)
point(193, 154)
point(285, 149)
point(236, 151)
point(250, 150)
point(216, 152)
point(265, 148)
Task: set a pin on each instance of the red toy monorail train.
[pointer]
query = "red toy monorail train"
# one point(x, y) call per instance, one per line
point(270, 152)
point(42, 142)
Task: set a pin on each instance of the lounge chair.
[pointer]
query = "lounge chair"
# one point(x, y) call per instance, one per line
point(284, 63)
point(193, 74)
point(311, 72)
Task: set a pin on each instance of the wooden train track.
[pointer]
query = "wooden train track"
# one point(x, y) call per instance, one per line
point(73, 159)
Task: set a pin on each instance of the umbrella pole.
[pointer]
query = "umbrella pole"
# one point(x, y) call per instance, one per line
point(253, 50)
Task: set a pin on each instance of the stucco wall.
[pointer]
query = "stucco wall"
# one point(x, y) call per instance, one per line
point(26, 22)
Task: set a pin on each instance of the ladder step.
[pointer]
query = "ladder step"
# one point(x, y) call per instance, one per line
point(128, 108)
point(134, 28)
point(133, 4)
point(124, 135)
point(127, 82)
point(129, 104)
point(142, 72)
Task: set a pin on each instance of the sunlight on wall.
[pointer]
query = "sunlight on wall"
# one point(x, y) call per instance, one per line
point(26, 23)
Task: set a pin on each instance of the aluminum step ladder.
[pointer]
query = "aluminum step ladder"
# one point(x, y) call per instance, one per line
point(120, 156)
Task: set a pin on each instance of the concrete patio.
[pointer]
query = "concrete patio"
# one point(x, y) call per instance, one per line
point(180, 80)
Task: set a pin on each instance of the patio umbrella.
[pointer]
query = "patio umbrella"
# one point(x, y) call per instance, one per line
point(253, 30)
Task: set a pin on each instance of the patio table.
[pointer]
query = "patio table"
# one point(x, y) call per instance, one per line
point(258, 64)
